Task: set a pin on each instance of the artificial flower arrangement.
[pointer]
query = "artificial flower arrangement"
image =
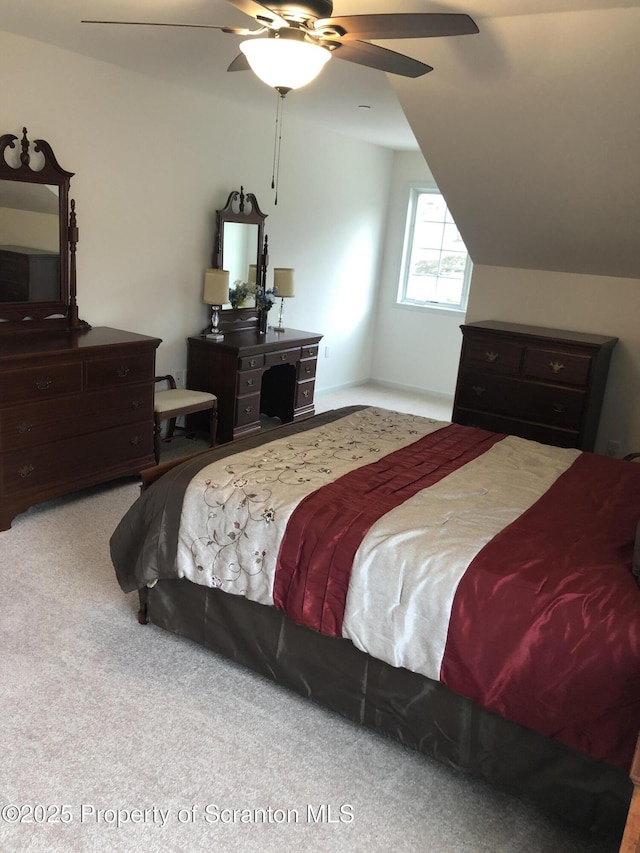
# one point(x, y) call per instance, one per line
point(242, 291)
point(265, 299)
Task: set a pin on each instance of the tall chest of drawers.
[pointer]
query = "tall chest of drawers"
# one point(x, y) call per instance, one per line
point(537, 383)
point(76, 409)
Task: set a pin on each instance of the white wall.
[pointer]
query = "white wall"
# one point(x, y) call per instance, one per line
point(413, 347)
point(153, 161)
point(31, 229)
point(598, 304)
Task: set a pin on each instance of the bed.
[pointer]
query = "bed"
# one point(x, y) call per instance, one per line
point(467, 593)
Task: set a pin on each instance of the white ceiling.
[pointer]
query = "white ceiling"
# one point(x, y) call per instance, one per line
point(531, 128)
point(199, 58)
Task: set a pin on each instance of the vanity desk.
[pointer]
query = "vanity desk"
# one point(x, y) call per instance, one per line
point(253, 374)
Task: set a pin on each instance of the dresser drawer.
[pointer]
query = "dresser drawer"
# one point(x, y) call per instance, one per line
point(41, 423)
point(553, 366)
point(248, 381)
point(307, 368)
point(538, 402)
point(285, 356)
point(14, 291)
point(524, 429)
point(111, 372)
point(247, 409)
point(41, 383)
point(74, 459)
point(304, 394)
point(310, 351)
point(495, 356)
point(249, 362)
point(15, 269)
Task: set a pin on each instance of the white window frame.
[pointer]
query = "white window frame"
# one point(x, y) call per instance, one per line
point(415, 191)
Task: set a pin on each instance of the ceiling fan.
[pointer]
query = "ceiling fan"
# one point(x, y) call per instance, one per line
point(300, 37)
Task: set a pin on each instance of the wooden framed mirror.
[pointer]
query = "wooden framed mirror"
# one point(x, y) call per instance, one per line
point(240, 248)
point(38, 236)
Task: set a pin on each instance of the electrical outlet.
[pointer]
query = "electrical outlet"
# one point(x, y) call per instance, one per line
point(613, 448)
point(179, 376)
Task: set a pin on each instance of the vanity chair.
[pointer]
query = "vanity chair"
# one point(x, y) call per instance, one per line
point(171, 403)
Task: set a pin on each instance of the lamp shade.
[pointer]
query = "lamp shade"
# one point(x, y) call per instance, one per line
point(216, 287)
point(283, 282)
point(286, 61)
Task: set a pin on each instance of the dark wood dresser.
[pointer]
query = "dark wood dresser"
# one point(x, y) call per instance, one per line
point(28, 275)
point(76, 409)
point(537, 383)
point(253, 374)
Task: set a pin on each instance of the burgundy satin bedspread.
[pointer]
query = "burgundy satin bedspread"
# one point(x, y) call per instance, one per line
point(327, 527)
point(545, 627)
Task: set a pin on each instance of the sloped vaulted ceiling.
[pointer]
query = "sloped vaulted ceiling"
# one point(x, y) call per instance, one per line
point(531, 127)
point(532, 130)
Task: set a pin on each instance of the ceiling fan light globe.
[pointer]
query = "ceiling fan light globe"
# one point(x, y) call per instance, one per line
point(285, 64)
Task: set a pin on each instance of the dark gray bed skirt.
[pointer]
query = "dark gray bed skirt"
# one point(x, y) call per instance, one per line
point(416, 711)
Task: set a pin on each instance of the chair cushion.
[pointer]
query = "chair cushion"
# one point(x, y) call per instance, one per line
point(168, 401)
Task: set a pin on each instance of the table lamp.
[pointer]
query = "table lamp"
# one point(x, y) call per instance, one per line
point(283, 286)
point(216, 294)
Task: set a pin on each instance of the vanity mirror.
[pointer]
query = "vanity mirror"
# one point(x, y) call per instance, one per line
point(38, 236)
point(240, 248)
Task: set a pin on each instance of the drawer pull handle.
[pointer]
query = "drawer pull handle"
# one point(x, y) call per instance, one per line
point(26, 471)
point(122, 372)
point(560, 408)
point(492, 357)
point(479, 390)
point(252, 362)
point(135, 404)
point(250, 383)
point(248, 410)
point(24, 426)
point(555, 366)
point(283, 357)
point(306, 393)
point(307, 370)
point(135, 441)
point(43, 382)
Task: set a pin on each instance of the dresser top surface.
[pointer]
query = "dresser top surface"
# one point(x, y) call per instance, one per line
point(38, 342)
point(505, 328)
point(249, 341)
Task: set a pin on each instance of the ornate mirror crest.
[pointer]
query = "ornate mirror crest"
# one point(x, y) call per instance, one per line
point(38, 236)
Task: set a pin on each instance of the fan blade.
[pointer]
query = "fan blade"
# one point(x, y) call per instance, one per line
point(234, 30)
point(399, 26)
point(261, 13)
point(379, 57)
point(240, 63)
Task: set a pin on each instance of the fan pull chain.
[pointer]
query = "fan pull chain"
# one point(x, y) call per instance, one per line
point(277, 144)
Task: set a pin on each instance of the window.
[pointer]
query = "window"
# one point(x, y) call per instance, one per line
point(436, 267)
